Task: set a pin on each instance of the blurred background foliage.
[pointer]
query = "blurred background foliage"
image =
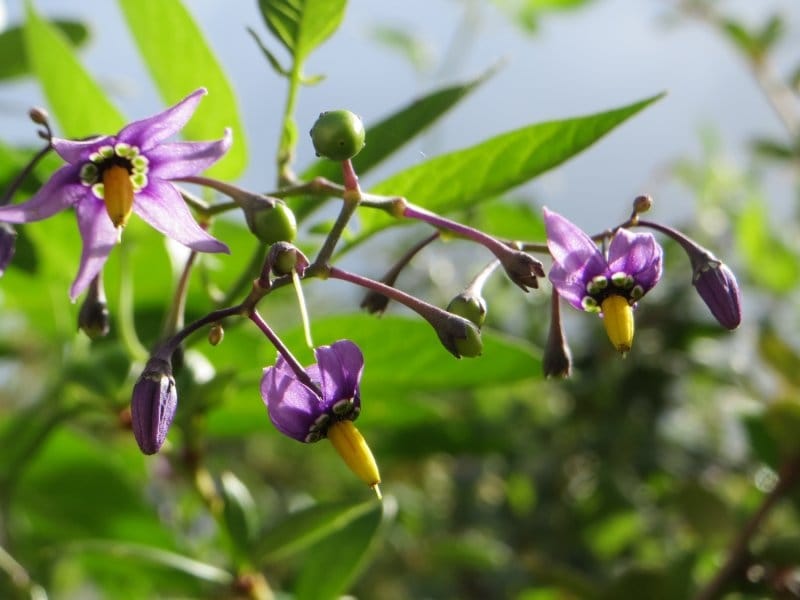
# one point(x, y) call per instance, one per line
point(631, 479)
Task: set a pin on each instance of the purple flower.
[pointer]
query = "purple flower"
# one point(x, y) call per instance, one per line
point(610, 284)
point(153, 405)
point(124, 173)
point(305, 413)
point(8, 240)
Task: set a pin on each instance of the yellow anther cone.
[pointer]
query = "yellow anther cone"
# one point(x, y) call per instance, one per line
point(353, 449)
point(618, 319)
point(118, 194)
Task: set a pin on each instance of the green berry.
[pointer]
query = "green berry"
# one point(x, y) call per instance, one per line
point(472, 308)
point(338, 135)
point(471, 345)
point(272, 224)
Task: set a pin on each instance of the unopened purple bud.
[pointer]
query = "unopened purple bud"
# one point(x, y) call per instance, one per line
point(718, 288)
point(153, 405)
point(8, 240)
point(522, 269)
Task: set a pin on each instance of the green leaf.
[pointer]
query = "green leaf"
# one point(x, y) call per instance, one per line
point(744, 40)
point(78, 103)
point(466, 177)
point(406, 43)
point(302, 25)
point(511, 221)
point(333, 564)
point(392, 367)
point(389, 135)
point(160, 28)
point(780, 356)
point(307, 526)
point(271, 58)
point(14, 61)
point(757, 241)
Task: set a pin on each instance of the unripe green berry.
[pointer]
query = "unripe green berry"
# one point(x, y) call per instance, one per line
point(472, 345)
point(272, 224)
point(469, 306)
point(338, 135)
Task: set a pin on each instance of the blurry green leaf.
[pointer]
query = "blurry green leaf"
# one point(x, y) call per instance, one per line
point(771, 33)
point(473, 551)
point(466, 177)
point(770, 263)
point(527, 13)
point(779, 355)
point(746, 41)
point(271, 58)
point(307, 526)
point(507, 220)
point(794, 79)
point(705, 512)
point(782, 421)
point(333, 563)
point(160, 28)
point(78, 103)
point(774, 149)
point(403, 354)
point(633, 581)
point(13, 60)
point(140, 552)
point(763, 445)
point(781, 551)
point(391, 134)
point(302, 25)
point(403, 41)
point(611, 536)
point(240, 513)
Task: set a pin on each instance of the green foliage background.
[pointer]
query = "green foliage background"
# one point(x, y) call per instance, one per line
point(633, 475)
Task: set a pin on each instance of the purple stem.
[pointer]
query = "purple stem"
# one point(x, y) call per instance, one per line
point(256, 318)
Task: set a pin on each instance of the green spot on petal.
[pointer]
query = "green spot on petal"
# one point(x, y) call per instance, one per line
point(99, 190)
point(139, 181)
point(589, 304)
point(597, 284)
point(140, 163)
point(637, 292)
point(105, 151)
point(622, 280)
point(122, 149)
point(89, 173)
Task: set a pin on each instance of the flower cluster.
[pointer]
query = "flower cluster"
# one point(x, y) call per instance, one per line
point(107, 178)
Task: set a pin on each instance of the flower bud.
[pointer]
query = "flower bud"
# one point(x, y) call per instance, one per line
point(470, 306)
point(459, 335)
point(338, 135)
point(153, 404)
point(718, 288)
point(38, 115)
point(641, 204)
point(522, 269)
point(216, 334)
point(8, 241)
point(374, 302)
point(93, 317)
point(557, 359)
point(283, 258)
point(353, 448)
point(269, 219)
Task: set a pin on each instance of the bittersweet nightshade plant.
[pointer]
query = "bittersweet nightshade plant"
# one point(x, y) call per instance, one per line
point(153, 404)
point(326, 409)
point(108, 177)
point(610, 284)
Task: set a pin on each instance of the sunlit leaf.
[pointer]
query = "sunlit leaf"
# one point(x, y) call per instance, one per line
point(302, 25)
point(160, 28)
point(466, 177)
point(13, 55)
point(74, 98)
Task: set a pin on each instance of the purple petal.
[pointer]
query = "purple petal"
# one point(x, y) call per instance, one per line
point(341, 365)
point(76, 151)
point(637, 254)
point(569, 287)
point(718, 288)
point(571, 248)
point(161, 205)
point(8, 241)
point(292, 406)
point(148, 132)
point(60, 192)
point(182, 159)
point(99, 237)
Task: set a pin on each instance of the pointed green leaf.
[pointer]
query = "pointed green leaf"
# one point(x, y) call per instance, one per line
point(14, 61)
point(78, 103)
point(334, 563)
point(466, 177)
point(302, 25)
point(307, 526)
point(391, 134)
point(271, 58)
point(160, 28)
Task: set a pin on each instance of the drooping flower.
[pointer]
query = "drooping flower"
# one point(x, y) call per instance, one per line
point(610, 284)
point(327, 408)
point(123, 173)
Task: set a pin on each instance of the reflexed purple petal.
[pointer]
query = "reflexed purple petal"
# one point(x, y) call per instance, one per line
point(637, 254)
point(570, 288)
point(99, 236)
point(61, 191)
point(148, 132)
point(341, 365)
point(153, 405)
point(292, 406)
point(161, 205)
point(571, 248)
point(76, 151)
point(181, 159)
point(8, 240)
point(718, 288)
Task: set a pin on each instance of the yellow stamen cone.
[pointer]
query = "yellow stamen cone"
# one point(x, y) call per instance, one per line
point(118, 194)
point(353, 449)
point(618, 319)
